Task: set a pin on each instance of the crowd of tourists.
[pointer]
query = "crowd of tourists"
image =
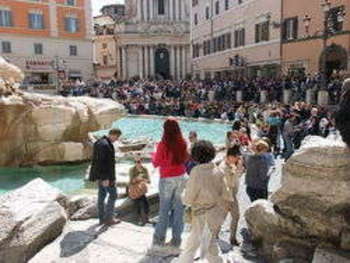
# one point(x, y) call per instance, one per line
point(207, 99)
point(201, 189)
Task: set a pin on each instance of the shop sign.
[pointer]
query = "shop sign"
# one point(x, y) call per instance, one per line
point(39, 65)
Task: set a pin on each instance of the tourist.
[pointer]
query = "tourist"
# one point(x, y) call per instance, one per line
point(204, 195)
point(171, 156)
point(274, 122)
point(257, 176)
point(103, 171)
point(139, 178)
point(192, 139)
point(288, 137)
point(232, 169)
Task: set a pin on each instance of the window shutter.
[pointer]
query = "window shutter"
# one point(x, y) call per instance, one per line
point(66, 24)
point(284, 30)
point(10, 18)
point(243, 37)
point(78, 24)
point(257, 27)
point(30, 21)
point(295, 28)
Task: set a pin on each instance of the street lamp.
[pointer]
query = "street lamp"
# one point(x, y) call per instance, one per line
point(329, 28)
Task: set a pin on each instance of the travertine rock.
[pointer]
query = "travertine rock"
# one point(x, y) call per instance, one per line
point(42, 129)
point(312, 206)
point(31, 217)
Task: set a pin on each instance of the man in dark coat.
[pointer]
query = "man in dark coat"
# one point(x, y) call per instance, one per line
point(103, 171)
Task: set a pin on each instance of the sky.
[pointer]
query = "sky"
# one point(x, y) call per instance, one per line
point(98, 4)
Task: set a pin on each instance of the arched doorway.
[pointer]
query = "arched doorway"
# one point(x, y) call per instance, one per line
point(335, 58)
point(162, 63)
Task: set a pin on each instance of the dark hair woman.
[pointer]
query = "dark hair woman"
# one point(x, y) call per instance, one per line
point(170, 157)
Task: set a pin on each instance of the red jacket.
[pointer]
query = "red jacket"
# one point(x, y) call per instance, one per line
point(162, 159)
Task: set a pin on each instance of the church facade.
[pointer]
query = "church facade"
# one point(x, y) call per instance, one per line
point(154, 40)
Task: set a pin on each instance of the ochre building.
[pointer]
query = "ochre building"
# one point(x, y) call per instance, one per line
point(50, 40)
point(305, 47)
point(235, 38)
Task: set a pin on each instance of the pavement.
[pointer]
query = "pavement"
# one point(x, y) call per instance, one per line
point(86, 242)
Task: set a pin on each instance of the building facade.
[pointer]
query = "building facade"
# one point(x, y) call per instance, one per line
point(154, 39)
point(105, 50)
point(50, 40)
point(305, 46)
point(235, 38)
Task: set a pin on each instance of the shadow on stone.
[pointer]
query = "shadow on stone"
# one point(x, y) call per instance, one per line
point(74, 242)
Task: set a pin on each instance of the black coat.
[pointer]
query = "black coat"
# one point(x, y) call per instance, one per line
point(103, 161)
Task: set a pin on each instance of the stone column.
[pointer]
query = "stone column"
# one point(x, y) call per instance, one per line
point(145, 10)
point(184, 61)
point(178, 63)
point(323, 98)
point(172, 62)
point(286, 96)
point(139, 9)
point(310, 96)
point(152, 72)
point(124, 63)
point(141, 62)
point(263, 96)
point(151, 6)
point(172, 10)
point(146, 61)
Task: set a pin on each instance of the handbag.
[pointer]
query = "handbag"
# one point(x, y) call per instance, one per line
point(137, 190)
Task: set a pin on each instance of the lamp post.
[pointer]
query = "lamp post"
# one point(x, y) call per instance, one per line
point(326, 6)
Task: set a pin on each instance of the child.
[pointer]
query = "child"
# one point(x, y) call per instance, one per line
point(232, 169)
point(139, 178)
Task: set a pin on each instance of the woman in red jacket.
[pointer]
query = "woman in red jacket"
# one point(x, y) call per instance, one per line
point(170, 157)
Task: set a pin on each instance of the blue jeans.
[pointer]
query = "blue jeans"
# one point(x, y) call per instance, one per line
point(289, 147)
point(170, 190)
point(106, 212)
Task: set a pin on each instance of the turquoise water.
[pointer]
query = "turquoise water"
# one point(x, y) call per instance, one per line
point(69, 178)
point(153, 128)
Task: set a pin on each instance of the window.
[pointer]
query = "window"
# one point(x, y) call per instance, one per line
point(217, 7)
point(161, 7)
point(73, 50)
point(336, 24)
point(6, 47)
point(227, 4)
point(240, 2)
point(105, 60)
point(240, 37)
point(36, 20)
point(194, 3)
point(195, 51)
point(5, 18)
point(70, 2)
point(104, 45)
point(71, 24)
point(262, 32)
point(290, 29)
point(195, 19)
point(38, 49)
point(207, 13)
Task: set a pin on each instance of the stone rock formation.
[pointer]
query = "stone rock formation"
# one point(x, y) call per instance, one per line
point(43, 129)
point(311, 209)
point(31, 217)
